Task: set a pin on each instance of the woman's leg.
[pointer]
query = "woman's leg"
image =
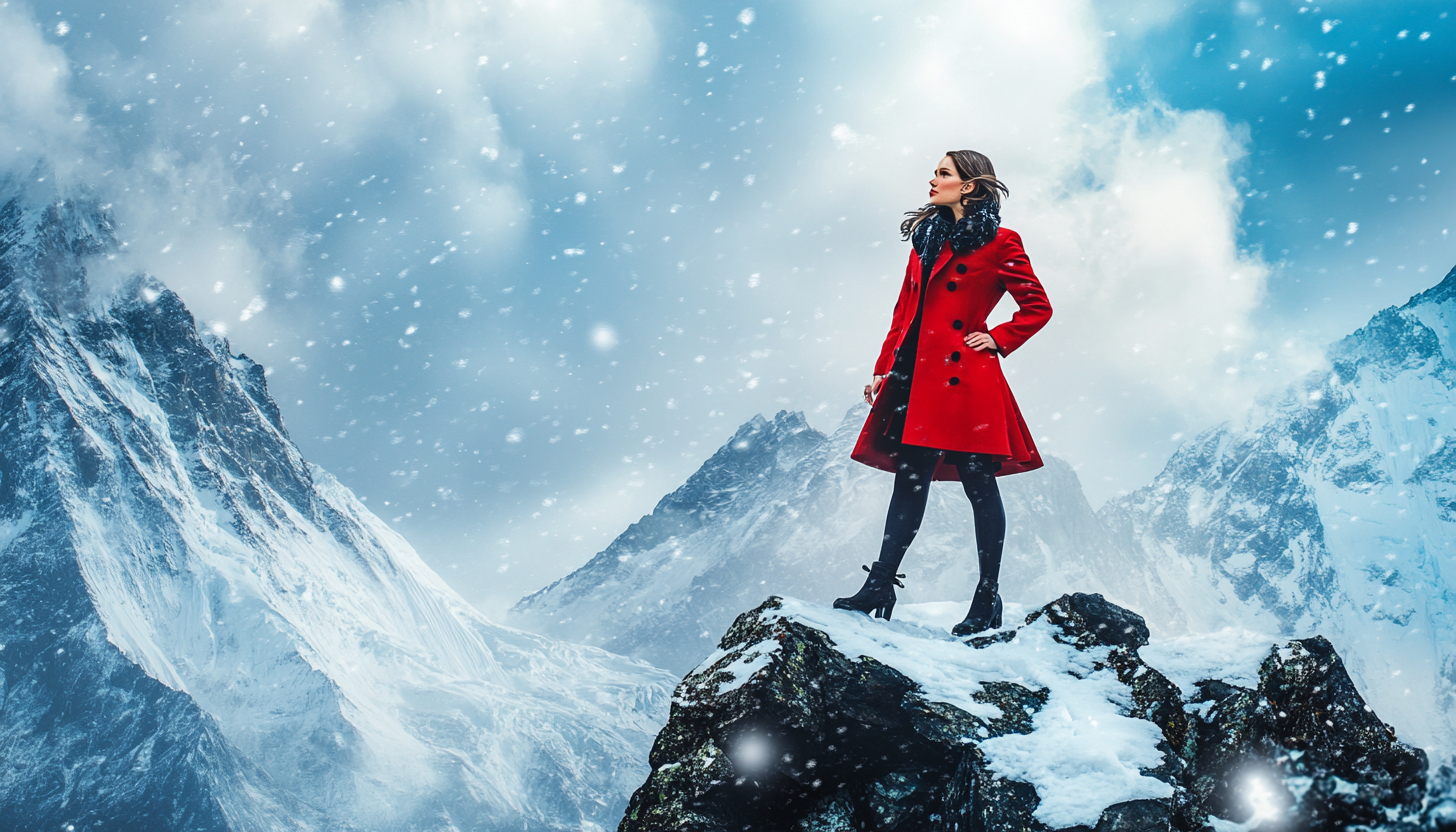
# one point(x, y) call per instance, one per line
point(978, 478)
point(914, 468)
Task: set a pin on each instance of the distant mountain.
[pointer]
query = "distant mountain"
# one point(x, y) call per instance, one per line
point(1332, 507)
point(781, 508)
point(201, 630)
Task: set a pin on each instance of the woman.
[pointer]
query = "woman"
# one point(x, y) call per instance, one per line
point(941, 407)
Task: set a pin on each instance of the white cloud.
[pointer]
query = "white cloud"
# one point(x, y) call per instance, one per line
point(35, 113)
point(305, 91)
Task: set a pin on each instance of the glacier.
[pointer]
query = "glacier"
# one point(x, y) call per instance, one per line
point(201, 630)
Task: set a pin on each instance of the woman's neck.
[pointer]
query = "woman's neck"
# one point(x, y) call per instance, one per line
point(957, 211)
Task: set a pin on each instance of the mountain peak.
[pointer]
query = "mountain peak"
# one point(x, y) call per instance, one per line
point(1400, 338)
point(210, 632)
point(1440, 293)
point(784, 423)
point(781, 507)
point(47, 230)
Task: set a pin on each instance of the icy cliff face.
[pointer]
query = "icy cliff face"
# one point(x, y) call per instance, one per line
point(781, 508)
point(201, 630)
point(1332, 507)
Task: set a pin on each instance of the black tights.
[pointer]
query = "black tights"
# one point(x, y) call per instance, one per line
point(915, 465)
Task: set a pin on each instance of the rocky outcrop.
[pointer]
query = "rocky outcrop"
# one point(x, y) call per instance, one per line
point(815, 719)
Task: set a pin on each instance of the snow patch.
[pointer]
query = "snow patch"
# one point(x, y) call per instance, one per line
point(1083, 755)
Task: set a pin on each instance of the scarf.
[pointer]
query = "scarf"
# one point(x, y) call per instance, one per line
point(975, 229)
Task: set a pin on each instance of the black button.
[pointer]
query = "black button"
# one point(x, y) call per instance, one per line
point(950, 287)
point(957, 325)
point(961, 268)
point(954, 381)
point(955, 356)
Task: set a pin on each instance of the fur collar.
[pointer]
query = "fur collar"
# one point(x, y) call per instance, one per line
point(975, 229)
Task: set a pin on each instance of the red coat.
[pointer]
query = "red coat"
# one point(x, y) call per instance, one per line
point(959, 400)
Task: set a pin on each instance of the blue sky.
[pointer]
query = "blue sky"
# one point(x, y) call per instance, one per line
point(1361, 146)
point(517, 269)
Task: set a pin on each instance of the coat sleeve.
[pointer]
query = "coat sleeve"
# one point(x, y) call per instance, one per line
point(897, 321)
point(1033, 309)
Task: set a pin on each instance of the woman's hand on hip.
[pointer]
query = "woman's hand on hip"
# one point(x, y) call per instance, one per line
point(982, 341)
point(873, 389)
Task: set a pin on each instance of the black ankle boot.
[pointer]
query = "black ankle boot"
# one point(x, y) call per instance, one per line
point(985, 611)
point(877, 594)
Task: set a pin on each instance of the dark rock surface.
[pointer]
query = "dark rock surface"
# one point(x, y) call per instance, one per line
point(784, 730)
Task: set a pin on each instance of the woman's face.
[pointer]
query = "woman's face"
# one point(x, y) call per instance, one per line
point(946, 186)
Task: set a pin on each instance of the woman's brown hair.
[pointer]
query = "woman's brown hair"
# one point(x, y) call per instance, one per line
point(972, 167)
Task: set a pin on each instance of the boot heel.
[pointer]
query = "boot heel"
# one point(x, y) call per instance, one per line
point(877, 596)
point(974, 623)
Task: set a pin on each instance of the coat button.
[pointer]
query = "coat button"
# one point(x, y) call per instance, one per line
point(954, 381)
point(955, 356)
point(950, 287)
point(957, 325)
point(961, 268)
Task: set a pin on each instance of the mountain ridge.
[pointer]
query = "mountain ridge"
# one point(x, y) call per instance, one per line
point(160, 533)
point(780, 507)
point(1331, 505)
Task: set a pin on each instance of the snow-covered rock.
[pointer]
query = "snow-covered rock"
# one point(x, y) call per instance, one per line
point(1333, 508)
point(781, 508)
point(201, 630)
point(809, 718)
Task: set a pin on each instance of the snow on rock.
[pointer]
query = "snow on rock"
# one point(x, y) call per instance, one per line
point(202, 630)
point(818, 719)
point(781, 508)
point(1331, 507)
point(1230, 654)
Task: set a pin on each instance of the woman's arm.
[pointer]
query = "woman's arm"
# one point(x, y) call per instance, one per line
point(897, 321)
point(1033, 308)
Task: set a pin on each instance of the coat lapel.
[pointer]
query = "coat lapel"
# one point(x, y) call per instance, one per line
point(946, 253)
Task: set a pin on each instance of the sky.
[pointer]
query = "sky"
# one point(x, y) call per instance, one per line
point(517, 269)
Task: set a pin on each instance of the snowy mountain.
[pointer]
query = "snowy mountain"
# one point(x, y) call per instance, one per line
point(1332, 507)
point(781, 508)
point(203, 631)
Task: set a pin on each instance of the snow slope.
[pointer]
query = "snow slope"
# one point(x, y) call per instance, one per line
point(781, 508)
point(204, 631)
point(1332, 508)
